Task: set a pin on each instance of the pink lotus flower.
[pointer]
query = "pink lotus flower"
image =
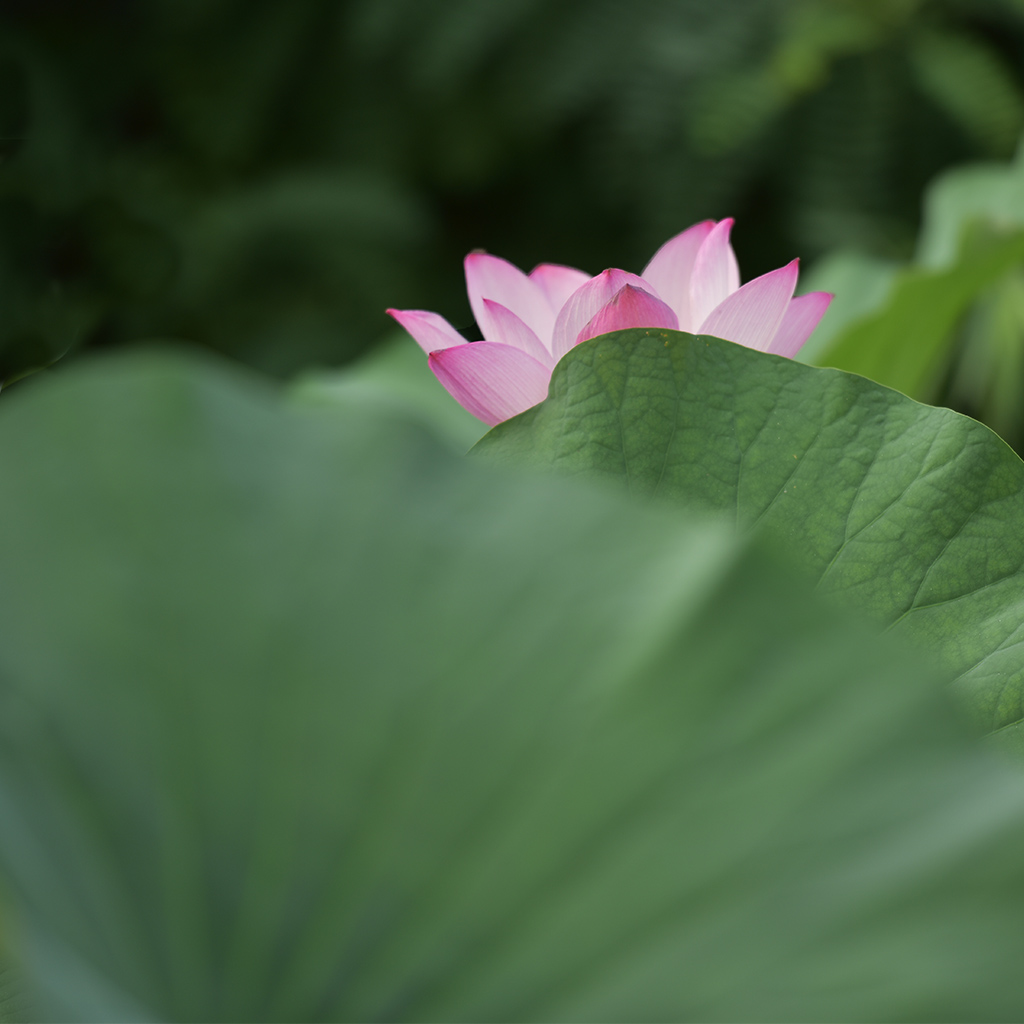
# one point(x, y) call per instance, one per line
point(529, 322)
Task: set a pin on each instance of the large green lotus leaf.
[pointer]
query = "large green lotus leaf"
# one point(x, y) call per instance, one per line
point(913, 513)
point(305, 718)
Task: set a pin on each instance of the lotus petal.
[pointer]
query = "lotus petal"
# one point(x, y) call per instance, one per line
point(557, 283)
point(530, 321)
point(493, 381)
point(508, 329)
point(490, 277)
point(751, 315)
point(629, 307)
point(584, 303)
point(716, 274)
point(671, 268)
point(431, 332)
point(801, 317)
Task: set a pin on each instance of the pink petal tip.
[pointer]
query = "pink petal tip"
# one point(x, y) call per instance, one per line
point(430, 331)
point(802, 316)
point(630, 306)
point(752, 315)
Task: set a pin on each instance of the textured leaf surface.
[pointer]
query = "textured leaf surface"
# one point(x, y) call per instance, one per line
point(305, 718)
point(913, 513)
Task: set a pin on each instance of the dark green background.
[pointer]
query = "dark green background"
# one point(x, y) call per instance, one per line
point(264, 178)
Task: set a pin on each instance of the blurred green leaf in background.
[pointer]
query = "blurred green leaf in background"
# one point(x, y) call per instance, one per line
point(948, 327)
point(266, 178)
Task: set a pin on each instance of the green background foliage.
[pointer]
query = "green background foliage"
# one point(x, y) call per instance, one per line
point(949, 326)
point(266, 178)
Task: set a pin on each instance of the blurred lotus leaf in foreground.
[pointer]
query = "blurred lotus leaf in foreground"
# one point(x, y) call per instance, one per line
point(305, 718)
